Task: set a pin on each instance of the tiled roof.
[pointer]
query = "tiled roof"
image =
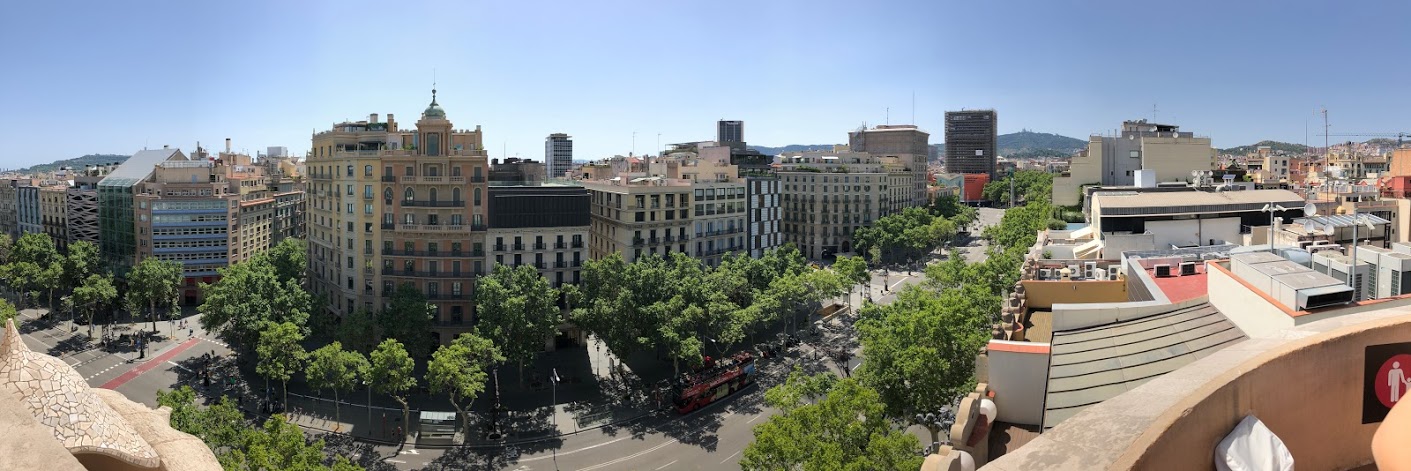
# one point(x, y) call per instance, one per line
point(1091, 365)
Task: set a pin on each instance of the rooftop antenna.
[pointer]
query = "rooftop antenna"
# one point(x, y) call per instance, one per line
point(1153, 112)
point(913, 107)
point(889, 115)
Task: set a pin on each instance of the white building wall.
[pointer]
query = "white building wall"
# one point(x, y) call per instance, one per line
point(1020, 382)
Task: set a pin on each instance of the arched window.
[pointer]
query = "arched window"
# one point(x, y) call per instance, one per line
point(409, 195)
point(433, 191)
point(456, 193)
point(387, 195)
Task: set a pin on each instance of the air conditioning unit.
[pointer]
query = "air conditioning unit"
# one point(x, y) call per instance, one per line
point(1045, 274)
point(1090, 269)
point(1187, 268)
point(1100, 275)
point(1163, 271)
point(1114, 272)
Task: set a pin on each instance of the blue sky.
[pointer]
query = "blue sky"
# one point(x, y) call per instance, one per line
point(100, 77)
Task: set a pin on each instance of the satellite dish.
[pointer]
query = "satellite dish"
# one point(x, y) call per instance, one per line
point(1310, 210)
point(1309, 227)
point(1195, 173)
point(1328, 229)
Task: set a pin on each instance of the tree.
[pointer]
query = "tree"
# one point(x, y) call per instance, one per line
point(845, 429)
point(391, 374)
point(518, 308)
point(154, 281)
point(80, 261)
point(290, 260)
point(7, 246)
point(280, 354)
point(358, 331)
point(921, 348)
point(21, 276)
point(331, 367)
point(852, 271)
point(34, 248)
point(408, 319)
point(93, 295)
point(51, 278)
point(282, 445)
point(7, 312)
point(459, 371)
point(222, 425)
point(249, 295)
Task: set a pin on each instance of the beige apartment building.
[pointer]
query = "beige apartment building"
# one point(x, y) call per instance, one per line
point(827, 195)
point(390, 206)
point(53, 213)
point(1163, 149)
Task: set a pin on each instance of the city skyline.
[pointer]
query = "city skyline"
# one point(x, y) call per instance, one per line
point(798, 73)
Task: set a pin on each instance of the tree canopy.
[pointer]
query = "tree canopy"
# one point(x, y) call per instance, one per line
point(249, 295)
point(153, 282)
point(280, 354)
point(391, 373)
point(828, 424)
point(517, 307)
point(459, 370)
point(408, 319)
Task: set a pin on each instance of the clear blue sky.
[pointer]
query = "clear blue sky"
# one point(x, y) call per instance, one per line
point(109, 77)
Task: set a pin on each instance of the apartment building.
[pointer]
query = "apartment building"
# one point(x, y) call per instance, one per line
point(825, 196)
point(27, 208)
point(9, 207)
point(904, 148)
point(636, 215)
point(390, 206)
point(544, 225)
point(53, 213)
point(762, 213)
point(1113, 160)
point(289, 210)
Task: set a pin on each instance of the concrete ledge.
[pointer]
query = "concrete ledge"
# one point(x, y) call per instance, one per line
point(1305, 383)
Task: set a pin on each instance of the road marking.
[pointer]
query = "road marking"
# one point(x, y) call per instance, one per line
point(756, 416)
point(668, 464)
point(172, 363)
point(732, 455)
point(561, 453)
point(389, 460)
point(148, 366)
point(628, 457)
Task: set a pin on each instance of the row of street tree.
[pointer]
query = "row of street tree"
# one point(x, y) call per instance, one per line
point(920, 357)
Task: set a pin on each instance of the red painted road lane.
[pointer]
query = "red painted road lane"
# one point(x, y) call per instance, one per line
point(145, 367)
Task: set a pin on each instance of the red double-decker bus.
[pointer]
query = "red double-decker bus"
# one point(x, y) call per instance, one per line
point(695, 390)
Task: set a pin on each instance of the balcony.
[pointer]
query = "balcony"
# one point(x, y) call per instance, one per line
point(540, 246)
point(577, 244)
point(560, 245)
point(457, 179)
point(477, 179)
point(425, 274)
point(452, 323)
point(518, 247)
point(500, 247)
point(388, 226)
point(408, 179)
point(447, 296)
point(436, 179)
point(540, 265)
point(430, 227)
point(432, 204)
point(477, 227)
point(638, 241)
point(560, 264)
point(389, 179)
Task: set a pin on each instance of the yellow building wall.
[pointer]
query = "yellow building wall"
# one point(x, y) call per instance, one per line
point(1174, 158)
point(1044, 294)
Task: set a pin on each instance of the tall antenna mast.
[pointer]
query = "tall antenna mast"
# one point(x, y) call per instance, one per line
point(889, 115)
point(1326, 149)
point(913, 107)
point(1153, 112)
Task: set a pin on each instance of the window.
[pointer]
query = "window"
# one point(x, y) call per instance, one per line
point(367, 190)
point(456, 192)
point(350, 170)
point(409, 195)
point(477, 192)
point(367, 209)
point(367, 171)
point(433, 191)
point(411, 171)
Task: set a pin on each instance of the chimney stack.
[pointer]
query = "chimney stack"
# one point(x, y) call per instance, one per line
point(372, 119)
point(227, 145)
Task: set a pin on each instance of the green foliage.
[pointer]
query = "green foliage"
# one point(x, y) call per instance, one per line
point(7, 247)
point(289, 258)
point(1028, 143)
point(517, 307)
point(249, 295)
point(358, 331)
point(1275, 145)
point(852, 270)
point(846, 429)
point(35, 248)
point(78, 162)
point(1029, 185)
point(391, 373)
point(281, 445)
point(80, 262)
point(459, 371)
point(331, 367)
point(280, 354)
point(909, 234)
point(921, 348)
point(154, 282)
point(51, 278)
point(7, 312)
point(95, 294)
point(408, 319)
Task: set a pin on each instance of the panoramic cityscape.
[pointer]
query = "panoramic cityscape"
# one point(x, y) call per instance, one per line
point(635, 236)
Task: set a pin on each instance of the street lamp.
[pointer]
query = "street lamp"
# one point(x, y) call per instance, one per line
point(935, 422)
point(554, 378)
point(368, 383)
point(1272, 209)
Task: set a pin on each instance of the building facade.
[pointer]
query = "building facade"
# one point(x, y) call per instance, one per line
point(390, 206)
point(545, 226)
point(9, 207)
point(762, 214)
point(53, 213)
point(81, 204)
point(971, 141)
point(904, 148)
point(27, 209)
point(1114, 160)
point(825, 196)
point(637, 216)
point(730, 134)
point(117, 218)
point(558, 154)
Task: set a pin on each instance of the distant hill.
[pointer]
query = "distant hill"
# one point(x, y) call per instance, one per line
point(1276, 145)
point(1029, 144)
point(77, 163)
point(791, 148)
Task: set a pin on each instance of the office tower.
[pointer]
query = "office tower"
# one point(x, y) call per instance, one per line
point(117, 218)
point(730, 134)
point(971, 141)
point(558, 154)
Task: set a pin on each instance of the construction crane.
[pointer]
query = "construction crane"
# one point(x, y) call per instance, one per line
point(1400, 136)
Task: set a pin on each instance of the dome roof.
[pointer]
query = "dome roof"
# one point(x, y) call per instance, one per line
point(433, 110)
